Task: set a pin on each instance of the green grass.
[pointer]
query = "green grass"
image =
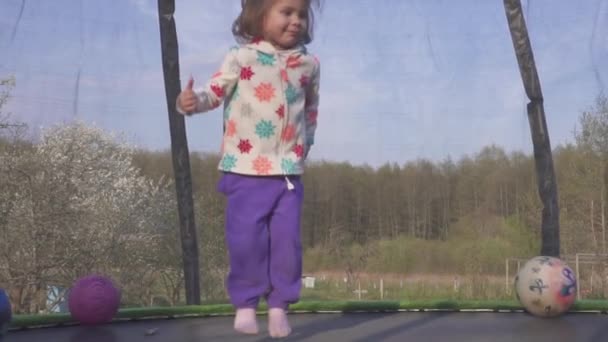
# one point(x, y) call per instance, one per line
point(28, 321)
point(470, 288)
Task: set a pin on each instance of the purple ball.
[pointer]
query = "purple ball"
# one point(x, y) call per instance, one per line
point(93, 300)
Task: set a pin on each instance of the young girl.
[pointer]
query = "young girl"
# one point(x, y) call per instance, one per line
point(270, 87)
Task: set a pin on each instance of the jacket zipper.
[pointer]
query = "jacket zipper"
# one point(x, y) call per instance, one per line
point(284, 79)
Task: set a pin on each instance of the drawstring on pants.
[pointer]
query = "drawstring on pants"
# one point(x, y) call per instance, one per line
point(289, 184)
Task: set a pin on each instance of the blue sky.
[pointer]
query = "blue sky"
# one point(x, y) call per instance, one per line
point(401, 79)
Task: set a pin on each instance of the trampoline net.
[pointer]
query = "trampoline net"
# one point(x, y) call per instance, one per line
point(421, 183)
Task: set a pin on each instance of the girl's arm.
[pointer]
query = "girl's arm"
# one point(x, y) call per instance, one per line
point(221, 83)
point(312, 106)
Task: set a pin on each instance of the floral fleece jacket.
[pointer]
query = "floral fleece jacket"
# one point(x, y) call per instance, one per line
point(270, 108)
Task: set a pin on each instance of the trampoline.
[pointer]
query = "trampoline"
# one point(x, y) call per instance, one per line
point(334, 321)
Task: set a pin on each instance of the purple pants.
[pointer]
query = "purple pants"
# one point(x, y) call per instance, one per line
point(263, 239)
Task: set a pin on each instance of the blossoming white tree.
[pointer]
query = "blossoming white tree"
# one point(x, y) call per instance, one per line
point(74, 204)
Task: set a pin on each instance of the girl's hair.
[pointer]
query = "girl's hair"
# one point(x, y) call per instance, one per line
point(249, 24)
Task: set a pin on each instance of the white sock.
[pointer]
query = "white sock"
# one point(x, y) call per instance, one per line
point(245, 322)
point(278, 326)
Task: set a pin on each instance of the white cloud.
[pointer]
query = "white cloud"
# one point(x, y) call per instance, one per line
point(147, 7)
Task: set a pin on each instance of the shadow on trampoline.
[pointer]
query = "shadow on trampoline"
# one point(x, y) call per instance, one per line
point(599, 335)
point(94, 334)
point(347, 321)
point(384, 334)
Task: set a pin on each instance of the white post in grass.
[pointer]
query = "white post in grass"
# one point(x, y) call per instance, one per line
point(507, 276)
point(359, 292)
point(590, 281)
point(578, 279)
point(381, 288)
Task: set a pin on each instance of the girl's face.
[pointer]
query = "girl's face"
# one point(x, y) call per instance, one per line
point(285, 23)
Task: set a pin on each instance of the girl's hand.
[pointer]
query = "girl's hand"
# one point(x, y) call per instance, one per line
point(187, 99)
